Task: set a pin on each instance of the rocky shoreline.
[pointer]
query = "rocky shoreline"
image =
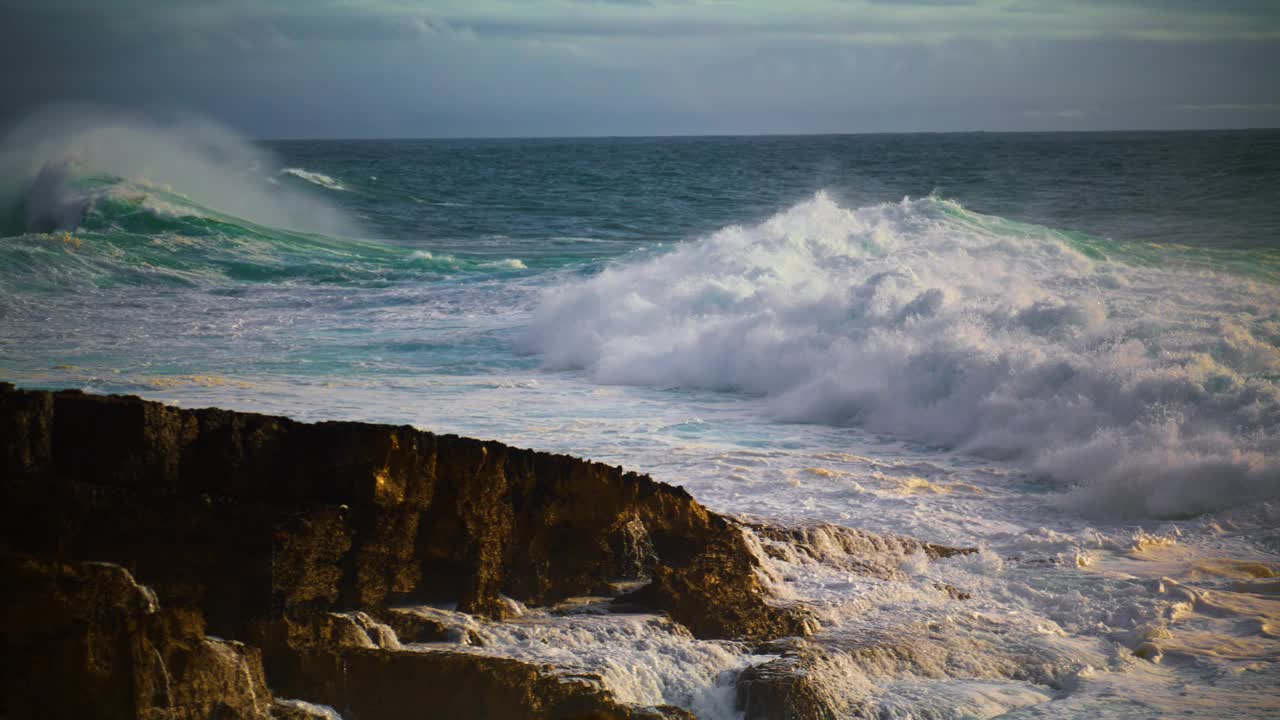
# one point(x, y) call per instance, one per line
point(171, 563)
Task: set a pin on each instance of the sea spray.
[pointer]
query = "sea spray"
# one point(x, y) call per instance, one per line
point(314, 178)
point(42, 157)
point(1143, 391)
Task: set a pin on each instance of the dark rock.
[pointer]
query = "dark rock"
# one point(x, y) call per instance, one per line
point(249, 517)
point(953, 592)
point(373, 684)
point(935, 551)
point(299, 539)
point(85, 640)
point(786, 689)
point(284, 709)
point(811, 678)
point(706, 593)
point(423, 625)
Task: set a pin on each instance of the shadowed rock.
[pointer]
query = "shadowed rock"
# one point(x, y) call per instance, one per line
point(86, 641)
point(263, 528)
point(293, 517)
point(373, 684)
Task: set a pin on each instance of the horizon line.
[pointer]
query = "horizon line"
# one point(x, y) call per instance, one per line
point(694, 136)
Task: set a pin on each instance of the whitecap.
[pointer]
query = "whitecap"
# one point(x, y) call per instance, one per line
point(923, 320)
point(315, 178)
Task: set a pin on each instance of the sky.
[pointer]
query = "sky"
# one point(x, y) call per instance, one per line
point(494, 68)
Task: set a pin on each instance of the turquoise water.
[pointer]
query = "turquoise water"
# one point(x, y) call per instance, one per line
point(1046, 345)
point(1040, 293)
point(483, 222)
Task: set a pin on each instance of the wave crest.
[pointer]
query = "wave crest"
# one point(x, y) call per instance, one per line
point(315, 178)
point(1146, 391)
point(52, 162)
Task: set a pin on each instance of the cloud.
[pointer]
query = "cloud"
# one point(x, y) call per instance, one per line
point(413, 68)
point(1064, 114)
point(939, 3)
point(1230, 108)
point(610, 18)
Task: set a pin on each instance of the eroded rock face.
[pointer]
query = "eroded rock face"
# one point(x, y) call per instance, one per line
point(372, 684)
point(788, 688)
point(296, 518)
point(277, 534)
point(85, 640)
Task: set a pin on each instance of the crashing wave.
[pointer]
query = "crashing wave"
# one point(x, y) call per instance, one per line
point(56, 164)
point(1146, 391)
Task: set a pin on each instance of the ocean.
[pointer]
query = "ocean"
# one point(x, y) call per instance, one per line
point(1063, 349)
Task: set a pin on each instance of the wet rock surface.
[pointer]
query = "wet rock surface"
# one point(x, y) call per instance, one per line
point(84, 640)
point(374, 684)
point(859, 551)
point(295, 541)
point(292, 517)
point(834, 673)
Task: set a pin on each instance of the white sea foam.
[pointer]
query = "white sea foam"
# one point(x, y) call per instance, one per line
point(510, 264)
point(315, 178)
point(436, 258)
point(1144, 391)
point(642, 659)
point(310, 709)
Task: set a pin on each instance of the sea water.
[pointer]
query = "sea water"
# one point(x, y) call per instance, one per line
point(1062, 349)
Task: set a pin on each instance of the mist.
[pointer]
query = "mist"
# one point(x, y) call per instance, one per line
point(49, 159)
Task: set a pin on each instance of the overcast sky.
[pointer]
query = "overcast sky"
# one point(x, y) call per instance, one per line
point(434, 68)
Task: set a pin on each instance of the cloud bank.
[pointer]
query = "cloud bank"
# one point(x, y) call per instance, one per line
point(378, 68)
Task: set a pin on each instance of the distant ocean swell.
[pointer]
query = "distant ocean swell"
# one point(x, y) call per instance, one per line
point(105, 230)
point(1145, 390)
point(105, 199)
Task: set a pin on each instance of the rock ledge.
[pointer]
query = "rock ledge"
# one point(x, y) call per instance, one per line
point(249, 532)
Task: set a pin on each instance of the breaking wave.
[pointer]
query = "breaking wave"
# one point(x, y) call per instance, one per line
point(49, 161)
point(100, 198)
point(315, 178)
point(1141, 389)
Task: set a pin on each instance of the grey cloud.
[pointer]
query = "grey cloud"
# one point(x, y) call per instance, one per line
point(378, 68)
point(942, 3)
